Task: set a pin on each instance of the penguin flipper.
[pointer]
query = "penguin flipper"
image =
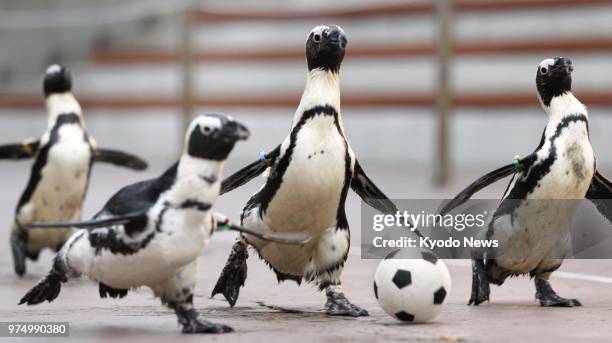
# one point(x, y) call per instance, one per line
point(600, 194)
point(94, 223)
point(369, 192)
point(294, 238)
point(249, 172)
point(26, 149)
point(120, 158)
point(477, 185)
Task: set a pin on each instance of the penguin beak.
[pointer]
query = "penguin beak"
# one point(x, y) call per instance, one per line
point(62, 74)
point(65, 73)
point(563, 65)
point(235, 131)
point(337, 39)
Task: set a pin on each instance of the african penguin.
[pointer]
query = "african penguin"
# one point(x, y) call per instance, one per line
point(533, 219)
point(60, 174)
point(151, 233)
point(310, 173)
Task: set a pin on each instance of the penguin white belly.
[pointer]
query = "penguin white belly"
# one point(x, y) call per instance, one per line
point(156, 261)
point(540, 229)
point(537, 231)
point(61, 189)
point(309, 195)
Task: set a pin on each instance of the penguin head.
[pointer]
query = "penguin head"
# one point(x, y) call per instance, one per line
point(325, 48)
point(212, 136)
point(554, 78)
point(57, 80)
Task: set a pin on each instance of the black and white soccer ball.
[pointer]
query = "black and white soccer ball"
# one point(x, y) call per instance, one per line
point(412, 285)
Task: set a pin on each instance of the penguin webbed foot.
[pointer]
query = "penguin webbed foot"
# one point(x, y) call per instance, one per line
point(480, 283)
point(549, 298)
point(46, 289)
point(234, 274)
point(338, 305)
point(188, 319)
point(107, 291)
point(19, 255)
point(203, 326)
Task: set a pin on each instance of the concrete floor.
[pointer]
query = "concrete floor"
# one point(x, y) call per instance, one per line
point(261, 313)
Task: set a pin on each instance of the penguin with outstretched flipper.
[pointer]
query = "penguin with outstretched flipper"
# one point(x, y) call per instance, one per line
point(60, 174)
point(151, 233)
point(309, 176)
point(532, 221)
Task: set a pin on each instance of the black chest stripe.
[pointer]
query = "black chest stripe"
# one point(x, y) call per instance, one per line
point(196, 205)
point(530, 178)
point(160, 219)
point(278, 170)
point(209, 179)
point(341, 221)
point(107, 240)
point(187, 204)
point(43, 155)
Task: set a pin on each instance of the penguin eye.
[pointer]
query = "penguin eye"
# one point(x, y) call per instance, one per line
point(206, 130)
point(317, 38)
point(543, 70)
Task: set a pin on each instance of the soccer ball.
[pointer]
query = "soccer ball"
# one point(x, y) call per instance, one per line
point(412, 285)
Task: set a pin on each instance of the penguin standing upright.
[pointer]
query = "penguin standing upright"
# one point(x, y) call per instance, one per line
point(310, 173)
point(60, 173)
point(533, 219)
point(151, 233)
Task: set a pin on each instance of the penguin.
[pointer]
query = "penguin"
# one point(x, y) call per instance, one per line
point(308, 178)
point(533, 219)
point(60, 173)
point(151, 233)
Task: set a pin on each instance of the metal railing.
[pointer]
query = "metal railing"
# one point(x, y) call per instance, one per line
point(190, 15)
